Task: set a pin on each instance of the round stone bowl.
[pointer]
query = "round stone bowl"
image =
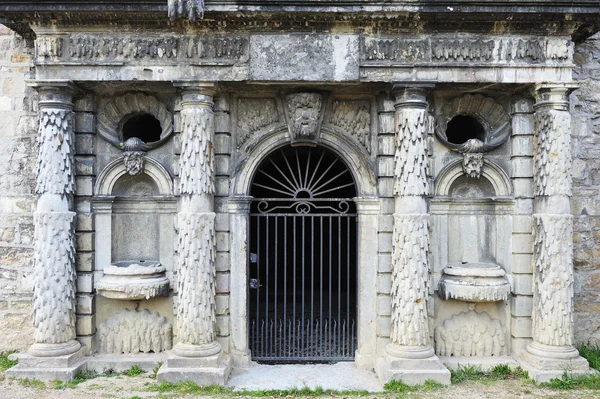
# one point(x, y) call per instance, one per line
point(474, 282)
point(134, 280)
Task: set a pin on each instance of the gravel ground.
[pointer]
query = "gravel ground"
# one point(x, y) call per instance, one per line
point(123, 387)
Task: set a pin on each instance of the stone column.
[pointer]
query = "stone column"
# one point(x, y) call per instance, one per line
point(239, 213)
point(197, 355)
point(410, 356)
point(368, 226)
point(552, 351)
point(54, 273)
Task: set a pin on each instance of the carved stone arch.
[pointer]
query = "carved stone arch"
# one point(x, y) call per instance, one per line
point(491, 171)
point(358, 163)
point(110, 175)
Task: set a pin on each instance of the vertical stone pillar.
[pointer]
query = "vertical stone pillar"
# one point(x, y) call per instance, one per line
point(55, 353)
point(410, 356)
point(197, 355)
point(552, 351)
point(239, 214)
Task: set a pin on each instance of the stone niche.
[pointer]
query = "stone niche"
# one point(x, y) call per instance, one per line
point(135, 210)
point(472, 225)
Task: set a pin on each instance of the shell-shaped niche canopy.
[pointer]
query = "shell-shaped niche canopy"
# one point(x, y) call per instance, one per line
point(472, 123)
point(135, 117)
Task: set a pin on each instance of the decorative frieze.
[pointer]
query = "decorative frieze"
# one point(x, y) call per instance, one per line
point(48, 47)
point(471, 334)
point(85, 47)
point(353, 117)
point(132, 331)
point(434, 50)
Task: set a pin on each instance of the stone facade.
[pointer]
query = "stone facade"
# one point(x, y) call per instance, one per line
point(457, 236)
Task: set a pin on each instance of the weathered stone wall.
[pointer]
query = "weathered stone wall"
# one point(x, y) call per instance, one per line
point(585, 204)
point(18, 125)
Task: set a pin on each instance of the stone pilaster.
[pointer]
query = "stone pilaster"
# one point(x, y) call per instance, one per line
point(552, 351)
point(197, 355)
point(55, 353)
point(410, 356)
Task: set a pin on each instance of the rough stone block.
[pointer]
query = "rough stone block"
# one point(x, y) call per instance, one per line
point(385, 166)
point(522, 167)
point(222, 262)
point(523, 188)
point(522, 284)
point(222, 186)
point(84, 222)
point(85, 283)
point(222, 163)
point(84, 241)
point(85, 324)
point(222, 326)
point(384, 305)
point(522, 263)
point(85, 122)
point(85, 165)
point(222, 122)
point(384, 326)
point(84, 261)
point(522, 124)
point(222, 144)
point(86, 304)
point(385, 243)
point(222, 222)
point(384, 283)
point(522, 243)
point(222, 241)
point(386, 223)
point(522, 146)
point(385, 263)
point(222, 304)
point(386, 187)
point(222, 285)
point(84, 186)
point(84, 104)
point(386, 123)
point(521, 306)
point(84, 144)
point(522, 224)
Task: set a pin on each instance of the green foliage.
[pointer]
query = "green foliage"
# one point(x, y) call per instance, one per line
point(592, 354)
point(133, 371)
point(58, 384)
point(81, 377)
point(109, 372)
point(33, 383)
point(403, 389)
point(155, 370)
point(5, 362)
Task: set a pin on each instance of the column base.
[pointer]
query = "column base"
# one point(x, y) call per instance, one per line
point(364, 361)
point(545, 362)
point(61, 367)
point(212, 369)
point(417, 365)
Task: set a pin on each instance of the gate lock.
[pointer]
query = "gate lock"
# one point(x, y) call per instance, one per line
point(255, 283)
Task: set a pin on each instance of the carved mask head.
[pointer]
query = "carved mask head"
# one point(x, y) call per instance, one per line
point(304, 110)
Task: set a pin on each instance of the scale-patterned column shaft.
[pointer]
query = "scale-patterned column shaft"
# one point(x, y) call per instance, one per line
point(409, 280)
point(553, 285)
point(196, 280)
point(552, 153)
point(410, 239)
point(54, 273)
point(197, 248)
point(552, 317)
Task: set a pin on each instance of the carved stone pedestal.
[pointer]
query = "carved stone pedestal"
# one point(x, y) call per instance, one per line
point(59, 367)
point(208, 370)
point(545, 362)
point(411, 365)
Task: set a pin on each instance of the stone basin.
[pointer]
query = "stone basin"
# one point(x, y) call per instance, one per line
point(474, 282)
point(134, 280)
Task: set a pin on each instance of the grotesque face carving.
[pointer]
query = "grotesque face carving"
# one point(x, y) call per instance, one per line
point(304, 110)
point(134, 162)
point(472, 164)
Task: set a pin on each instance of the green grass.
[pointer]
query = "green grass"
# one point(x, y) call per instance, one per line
point(497, 373)
point(568, 381)
point(592, 354)
point(33, 383)
point(81, 377)
point(155, 370)
point(133, 371)
point(5, 362)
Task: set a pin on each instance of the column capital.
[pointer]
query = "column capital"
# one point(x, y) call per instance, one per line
point(411, 95)
point(55, 93)
point(367, 205)
point(239, 204)
point(191, 87)
point(553, 95)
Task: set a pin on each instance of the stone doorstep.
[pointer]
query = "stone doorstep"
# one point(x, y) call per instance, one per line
point(413, 371)
point(63, 374)
point(27, 361)
point(119, 363)
point(542, 376)
point(542, 369)
point(216, 375)
point(484, 363)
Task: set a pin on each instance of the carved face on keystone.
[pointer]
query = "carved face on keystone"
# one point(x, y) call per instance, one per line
point(304, 110)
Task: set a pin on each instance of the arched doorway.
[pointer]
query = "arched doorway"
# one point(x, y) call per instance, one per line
point(302, 300)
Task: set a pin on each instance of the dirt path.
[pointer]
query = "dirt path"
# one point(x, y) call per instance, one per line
point(123, 387)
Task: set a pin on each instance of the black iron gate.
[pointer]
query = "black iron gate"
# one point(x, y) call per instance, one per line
point(302, 296)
